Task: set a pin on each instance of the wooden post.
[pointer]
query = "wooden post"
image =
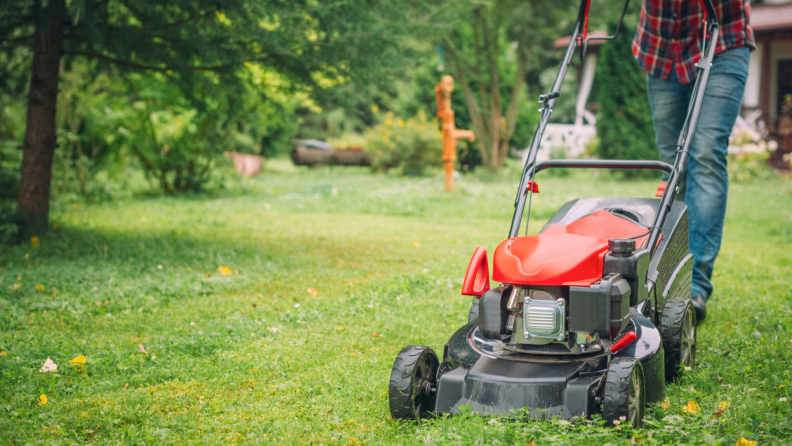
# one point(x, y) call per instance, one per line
point(450, 133)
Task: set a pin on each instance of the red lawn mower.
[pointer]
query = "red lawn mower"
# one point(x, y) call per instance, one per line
point(592, 315)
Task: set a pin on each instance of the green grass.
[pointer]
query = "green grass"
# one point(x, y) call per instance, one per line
point(253, 357)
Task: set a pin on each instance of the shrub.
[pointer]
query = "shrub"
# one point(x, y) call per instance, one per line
point(411, 145)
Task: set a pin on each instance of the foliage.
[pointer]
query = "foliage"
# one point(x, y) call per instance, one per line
point(266, 361)
point(412, 145)
point(624, 124)
point(491, 47)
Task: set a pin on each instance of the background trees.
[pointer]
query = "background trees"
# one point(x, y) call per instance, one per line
point(216, 60)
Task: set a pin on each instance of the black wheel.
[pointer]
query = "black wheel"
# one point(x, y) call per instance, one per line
point(474, 307)
point(413, 383)
point(678, 329)
point(624, 398)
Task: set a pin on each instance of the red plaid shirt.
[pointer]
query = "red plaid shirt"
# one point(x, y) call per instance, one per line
point(670, 34)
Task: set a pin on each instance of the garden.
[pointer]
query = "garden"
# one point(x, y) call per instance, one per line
point(153, 292)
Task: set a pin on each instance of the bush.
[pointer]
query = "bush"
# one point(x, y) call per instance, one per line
point(411, 145)
point(624, 124)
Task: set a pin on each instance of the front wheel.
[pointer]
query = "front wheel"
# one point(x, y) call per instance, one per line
point(413, 383)
point(624, 398)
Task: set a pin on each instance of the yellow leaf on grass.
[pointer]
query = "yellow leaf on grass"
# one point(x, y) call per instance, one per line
point(723, 405)
point(224, 271)
point(15, 286)
point(40, 287)
point(42, 400)
point(743, 442)
point(312, 291)
point(142, 349)
point(34, 241)
point(691, 407)
point(78, 360)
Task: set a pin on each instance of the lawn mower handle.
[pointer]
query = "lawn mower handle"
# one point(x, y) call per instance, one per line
point(676, 173)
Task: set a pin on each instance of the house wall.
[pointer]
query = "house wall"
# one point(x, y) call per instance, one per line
point(754, 83)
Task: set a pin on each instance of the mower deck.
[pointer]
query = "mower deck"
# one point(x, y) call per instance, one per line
point(489, 378)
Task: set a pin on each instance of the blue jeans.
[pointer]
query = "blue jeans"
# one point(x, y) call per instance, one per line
point(706, 185)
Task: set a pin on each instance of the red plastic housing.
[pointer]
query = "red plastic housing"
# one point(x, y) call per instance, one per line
point(476, 281)
point(570, 255)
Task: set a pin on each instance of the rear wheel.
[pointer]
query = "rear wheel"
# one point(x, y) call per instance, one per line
point(678, 329)
point(624, 398)
point(413, 383)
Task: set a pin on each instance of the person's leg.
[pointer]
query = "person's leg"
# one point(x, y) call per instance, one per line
point(707, 177)
point(668, 101)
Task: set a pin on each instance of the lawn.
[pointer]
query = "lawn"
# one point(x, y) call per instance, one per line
point(329, 274)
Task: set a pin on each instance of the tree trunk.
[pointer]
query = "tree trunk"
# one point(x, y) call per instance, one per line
point(40, 138)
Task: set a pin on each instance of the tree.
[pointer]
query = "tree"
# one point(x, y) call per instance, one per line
point(625, 127)
point(490, 46)
point(304, 40)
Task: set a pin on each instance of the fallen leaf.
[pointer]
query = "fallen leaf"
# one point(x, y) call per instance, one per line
point(312, 291)
point(15, 286)
point(328, 412)
point(376, 335)
point(78, 360)
point(54, 293)
point(125, 386)
point(42, 400)
point(34, 241)
point(743, 442)
point(728, 324)
point(49, 366)
point(340, 328)
point(691, 407)
point(720, 378)
point(530, 443)
point(207, 275)
point(723, 405)
point(224, 271)
point(142, 349)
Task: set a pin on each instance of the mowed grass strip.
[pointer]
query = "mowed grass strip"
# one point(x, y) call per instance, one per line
point(254, 356)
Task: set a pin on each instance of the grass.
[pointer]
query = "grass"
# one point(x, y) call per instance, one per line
point(254, 357)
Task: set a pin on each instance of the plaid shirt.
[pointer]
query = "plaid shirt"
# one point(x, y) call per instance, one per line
point(670, 34)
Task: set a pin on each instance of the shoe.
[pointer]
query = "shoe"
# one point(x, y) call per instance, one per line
point(700, 305)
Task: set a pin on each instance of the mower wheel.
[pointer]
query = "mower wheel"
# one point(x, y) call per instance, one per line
point(678, 329)
point(413, 383)
point(624, 398)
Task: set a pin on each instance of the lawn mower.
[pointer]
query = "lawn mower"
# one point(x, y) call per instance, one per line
point(591, 316)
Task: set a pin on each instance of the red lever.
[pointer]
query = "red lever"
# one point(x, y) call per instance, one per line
point(661, 189)
point(532, 186)
point(626, 340)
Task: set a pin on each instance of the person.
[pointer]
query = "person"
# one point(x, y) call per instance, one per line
point(667, 44)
